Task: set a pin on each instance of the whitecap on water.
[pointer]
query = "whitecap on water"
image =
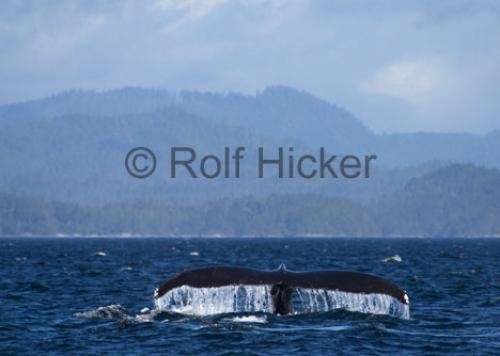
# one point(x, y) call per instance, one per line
point(100, 253)
point(395, 258)
point(194, 253)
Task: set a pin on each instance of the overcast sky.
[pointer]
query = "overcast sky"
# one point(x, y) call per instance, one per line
point(399, 66)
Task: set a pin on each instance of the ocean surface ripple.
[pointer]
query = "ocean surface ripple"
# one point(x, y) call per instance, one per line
point(95, 295)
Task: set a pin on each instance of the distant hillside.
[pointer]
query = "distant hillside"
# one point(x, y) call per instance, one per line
point(451, 201)
point(458, 200)
point(415, 148)
point(277, 215)
point(71, 146)
point(280, 112)
point(117, 102)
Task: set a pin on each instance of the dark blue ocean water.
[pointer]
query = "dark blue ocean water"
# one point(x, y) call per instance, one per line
point(68, 295)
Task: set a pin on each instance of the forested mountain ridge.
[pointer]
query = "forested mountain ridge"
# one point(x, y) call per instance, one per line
point(62, 161)
point(71, 146)
point(457, 200)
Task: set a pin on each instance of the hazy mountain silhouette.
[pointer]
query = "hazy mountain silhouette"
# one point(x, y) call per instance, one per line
point(457, 200)
point(71, 146)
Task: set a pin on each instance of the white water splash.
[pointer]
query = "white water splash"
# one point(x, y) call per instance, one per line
point(248, 298)
point(113, 311)
point(117, 312)
point(250, 319)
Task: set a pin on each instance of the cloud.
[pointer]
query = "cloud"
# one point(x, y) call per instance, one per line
point(438, 62)
point(190, 11)
point(411, 80)
point(444, 11)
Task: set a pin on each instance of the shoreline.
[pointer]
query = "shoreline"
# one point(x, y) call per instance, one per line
point(218, 236)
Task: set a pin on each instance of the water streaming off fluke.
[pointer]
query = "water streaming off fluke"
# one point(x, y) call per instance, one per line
point(216, 300)
point(321, 300)
point(250, 298)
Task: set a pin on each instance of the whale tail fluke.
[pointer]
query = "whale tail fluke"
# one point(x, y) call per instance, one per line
point(273, 290)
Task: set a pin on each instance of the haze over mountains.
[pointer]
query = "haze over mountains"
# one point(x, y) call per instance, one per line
point(69, 150)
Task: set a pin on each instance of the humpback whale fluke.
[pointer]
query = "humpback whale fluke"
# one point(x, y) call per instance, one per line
point(282, 283)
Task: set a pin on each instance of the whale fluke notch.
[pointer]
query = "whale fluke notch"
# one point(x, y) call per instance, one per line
point(283, 281)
